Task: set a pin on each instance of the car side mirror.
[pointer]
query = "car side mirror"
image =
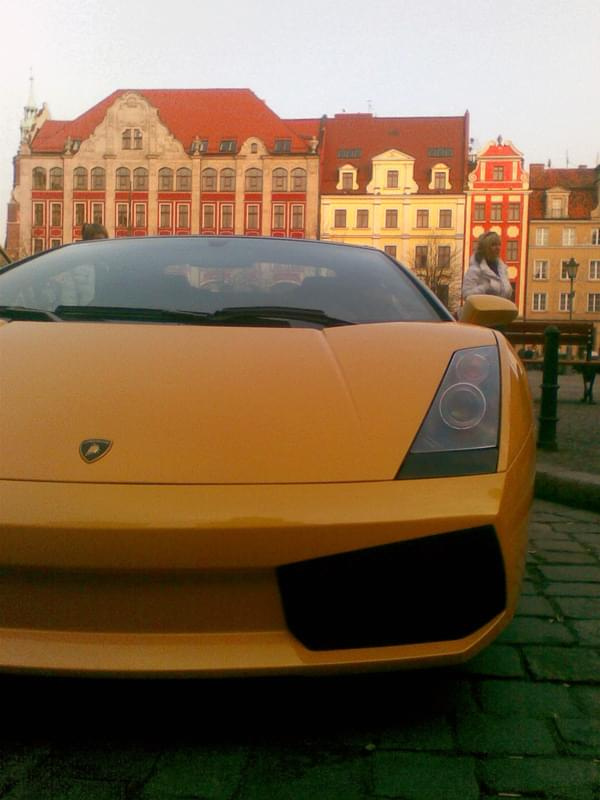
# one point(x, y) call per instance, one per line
point(487, 310)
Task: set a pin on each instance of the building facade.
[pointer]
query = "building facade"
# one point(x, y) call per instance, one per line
point(564, 224)
point(498, 200)
point(398, 184)
point(155, 162)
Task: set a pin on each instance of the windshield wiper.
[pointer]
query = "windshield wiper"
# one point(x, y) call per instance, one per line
point(126, 313)
point(273, 313)
point(30, 314)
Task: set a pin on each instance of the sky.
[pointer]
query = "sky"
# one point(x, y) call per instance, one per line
point(528, 70)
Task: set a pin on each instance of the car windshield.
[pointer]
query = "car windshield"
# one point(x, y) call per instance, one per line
point(226, 280)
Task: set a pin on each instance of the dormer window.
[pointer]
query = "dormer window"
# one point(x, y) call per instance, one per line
point(392, 179)
point(227, 146)
point(498, 173)
point(347, 178)
point(131, 138)
point(557, 203)
point(440, 178)
point(283, 145)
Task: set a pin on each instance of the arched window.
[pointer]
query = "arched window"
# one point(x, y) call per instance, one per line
point(280, 180)
point(165, 180)
point(80, 178)
point(56, 178)
point(123, 179)
point(209, 179)
point(39, 178)
point(183, 179)
point(253, 180)
point(298, 180)
point(140, 179)
point(126, 139)
point(137, 139)
point(227, 180)
point(98, 179)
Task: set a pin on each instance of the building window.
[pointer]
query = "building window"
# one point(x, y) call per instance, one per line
point(283, 145)
point(593, 303)
point(498, 174)
point(514, 211)
point(227, 146)
point(391, 218)
point(38, 214)
point(79, 213)
point(208, 216)
point(56, 215)
point(557, 207)
point(362, 218)
point(539, 301)
point(38, 245)
point(165, 215)
point(496, 212)
point(183, 215)
point(209, 180)
point(227, 216)
point(540, 271)
point(54, 243)
point(122, 215)
point(541, 237)
point(280, 180)
point(137, 139)
point(392, 179)
point(97, 214)
point(140, 179)
point(98, 179)
point(479, 212)
point(439, 181)
point(165, 179)
point(126, 139)
point(253, 180)
point(123, 180)
point(298, 180)
point(390, 249)
point(347, 181)
point(564, 275)
point(445, 218)
point(568, 236)
point(596, 236)
point(339, 218)
point(297, 217)
point(56, 178)
point(421, 252)
point(512, 251)
point(80, 178)
point(563, 303)
point(594, 274)
point(131, 136)
point(140, 215)
point(252, 218)
point(443, 256)
point(183, 179)
point(422, 218)
point(39, 178)
point(279, 216)
point(227, 180)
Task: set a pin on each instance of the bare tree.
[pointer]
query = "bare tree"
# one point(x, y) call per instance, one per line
point(438, 264)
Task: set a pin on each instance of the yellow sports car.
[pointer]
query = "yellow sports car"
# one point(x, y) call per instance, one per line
point(229, 455)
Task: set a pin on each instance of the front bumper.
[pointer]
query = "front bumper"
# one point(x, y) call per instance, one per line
point(182, 580)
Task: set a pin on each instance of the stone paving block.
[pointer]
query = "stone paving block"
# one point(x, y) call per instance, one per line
point(491, 734)
point(563, 663)
point(553, 557)
point(527, 699)
point(557, 546)
point(529, 587)
point(416, 776)
point(535, 630)
point(587, 631)
point(210, 773)
point(580, 607)
point(567, 779)
point(573, 589)
point(61, 788)
point(430, 733)
point(570, 573)
point(535, 606)
point(498, 660)
point(576, 527)
point(588, 700)
point(581, 736)
point(107, 762)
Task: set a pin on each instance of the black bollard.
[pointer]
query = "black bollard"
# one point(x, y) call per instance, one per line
point(549, 399)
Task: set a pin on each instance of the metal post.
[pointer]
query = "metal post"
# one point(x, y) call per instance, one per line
point(549, 399)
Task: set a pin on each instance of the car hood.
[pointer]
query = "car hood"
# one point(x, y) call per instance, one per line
point(218, 405)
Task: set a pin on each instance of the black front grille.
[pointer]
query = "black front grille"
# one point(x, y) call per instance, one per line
point(432, 589)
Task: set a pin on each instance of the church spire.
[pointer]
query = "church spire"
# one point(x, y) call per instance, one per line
point(30, 111)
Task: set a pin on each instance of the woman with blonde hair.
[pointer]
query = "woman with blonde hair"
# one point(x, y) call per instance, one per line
point(487, 273)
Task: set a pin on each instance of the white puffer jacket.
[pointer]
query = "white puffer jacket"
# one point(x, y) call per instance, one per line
point(480, 278)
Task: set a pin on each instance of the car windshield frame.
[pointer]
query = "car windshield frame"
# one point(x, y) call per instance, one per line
point(253, 279)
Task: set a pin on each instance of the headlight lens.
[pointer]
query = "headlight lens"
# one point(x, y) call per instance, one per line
point(459, 435)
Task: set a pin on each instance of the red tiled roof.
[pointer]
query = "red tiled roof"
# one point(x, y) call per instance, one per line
point(581, 183)
point(212, 114)
point(415, 136)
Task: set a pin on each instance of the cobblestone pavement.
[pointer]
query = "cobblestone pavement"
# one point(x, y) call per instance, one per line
point(520, 720)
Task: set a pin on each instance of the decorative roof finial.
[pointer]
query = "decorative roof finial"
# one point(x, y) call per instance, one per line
point(500, 140)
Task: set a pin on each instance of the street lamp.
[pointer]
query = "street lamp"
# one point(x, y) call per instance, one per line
point(571, 268)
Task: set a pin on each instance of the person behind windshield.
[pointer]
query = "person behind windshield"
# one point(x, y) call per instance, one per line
point(487, 273)
point(93, 230)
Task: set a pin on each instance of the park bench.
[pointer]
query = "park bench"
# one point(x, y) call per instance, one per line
point(579, 335)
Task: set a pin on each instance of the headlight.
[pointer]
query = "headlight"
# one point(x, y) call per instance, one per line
point(459, 435)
